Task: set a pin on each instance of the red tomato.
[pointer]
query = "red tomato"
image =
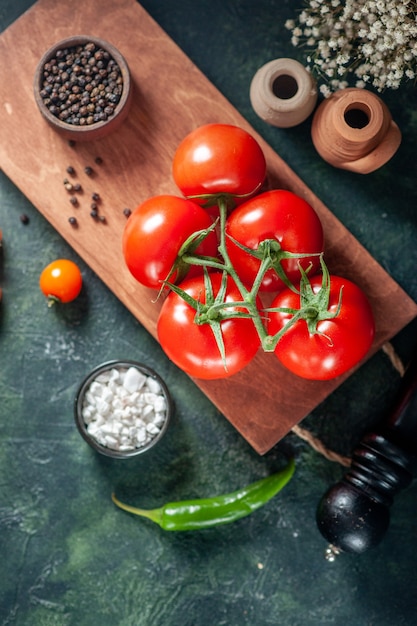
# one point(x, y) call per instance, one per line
point(154, 234)
point(219, 158)
point(61, 281)
point(279, 215)
point(192, 347)
point(343, 341)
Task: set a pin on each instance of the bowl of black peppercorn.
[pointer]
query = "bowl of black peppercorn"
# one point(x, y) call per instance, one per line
point(83, 88)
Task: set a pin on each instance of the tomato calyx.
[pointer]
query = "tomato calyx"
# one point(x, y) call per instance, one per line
point(51, 299)
point(186, 256)
point(314, 307)
point(271, 254)
point(214, 310)
point(229, 199)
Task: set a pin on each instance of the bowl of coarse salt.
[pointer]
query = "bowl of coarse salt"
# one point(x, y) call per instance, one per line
point(123, 408)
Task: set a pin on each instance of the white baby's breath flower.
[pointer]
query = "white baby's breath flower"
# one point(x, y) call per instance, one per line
point(325, 91)
point(373, 41)
point(289, 24)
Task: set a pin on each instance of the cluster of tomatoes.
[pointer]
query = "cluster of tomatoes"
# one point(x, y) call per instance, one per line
point(264, 244)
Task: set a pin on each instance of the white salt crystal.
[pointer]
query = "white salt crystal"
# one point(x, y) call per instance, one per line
point(122, 392)
point(112, 442)
point(153, 385)
point(124, 409)
point(159, 419)
point(107, 394)
point(87, 413)
point(117, 403)
point(103, 407)
point(160, 404)
point(152, 429)
point(114, 375)
point(90, 398)
point(133, 380)
point(141, 435)
point(96, 388)
point(149, 398)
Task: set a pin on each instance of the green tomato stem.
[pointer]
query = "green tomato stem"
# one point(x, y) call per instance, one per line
point(313, 306)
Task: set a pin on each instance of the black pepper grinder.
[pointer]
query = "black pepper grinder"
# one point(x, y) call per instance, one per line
point(354, 514)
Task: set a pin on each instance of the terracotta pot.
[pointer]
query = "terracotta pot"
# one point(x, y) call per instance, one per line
point(283, 93)
point(353, 130)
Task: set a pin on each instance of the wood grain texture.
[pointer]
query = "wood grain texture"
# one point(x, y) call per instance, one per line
point(171, 98)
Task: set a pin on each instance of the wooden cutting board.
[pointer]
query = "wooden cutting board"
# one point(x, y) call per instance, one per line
point(171, 98)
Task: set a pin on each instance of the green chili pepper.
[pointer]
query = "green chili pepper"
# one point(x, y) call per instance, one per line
point(209, 512)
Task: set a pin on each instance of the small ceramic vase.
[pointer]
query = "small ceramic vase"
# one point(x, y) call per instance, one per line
point(353, 130)
point(283, 93)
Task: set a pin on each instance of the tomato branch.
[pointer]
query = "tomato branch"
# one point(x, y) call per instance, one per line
point(313, 308)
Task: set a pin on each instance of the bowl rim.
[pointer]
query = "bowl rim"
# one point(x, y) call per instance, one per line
point(84, 385)
point(122, 106)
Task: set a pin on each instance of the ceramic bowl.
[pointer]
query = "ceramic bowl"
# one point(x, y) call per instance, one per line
point(98, 128)
point(122, 415)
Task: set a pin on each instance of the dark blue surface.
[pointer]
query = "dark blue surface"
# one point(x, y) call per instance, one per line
point(69, 557)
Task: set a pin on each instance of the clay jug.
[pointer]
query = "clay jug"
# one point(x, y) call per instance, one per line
point(353, 130)
point(283, 93)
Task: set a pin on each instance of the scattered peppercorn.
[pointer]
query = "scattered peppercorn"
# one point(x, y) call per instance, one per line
point(98, 160)
point(95, 215)
point(77, 187)
point(71, 143)
point(81, 85)
point(127, 212)
point(70, 170)
point(73, 221)
point(93, 206)
point(89, 170)
point(74, 201)
point(24, 219)
point(68, 186)
point(95, 196)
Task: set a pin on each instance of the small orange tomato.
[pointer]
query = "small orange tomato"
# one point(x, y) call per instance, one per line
point(61, 281)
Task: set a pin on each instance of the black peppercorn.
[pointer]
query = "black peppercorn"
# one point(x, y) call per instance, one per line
point(24, 219)
point(75, 78)
point(70, 170)
point(88, 170)
point(127, 212)
point(74, 201)
point(73, 221)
